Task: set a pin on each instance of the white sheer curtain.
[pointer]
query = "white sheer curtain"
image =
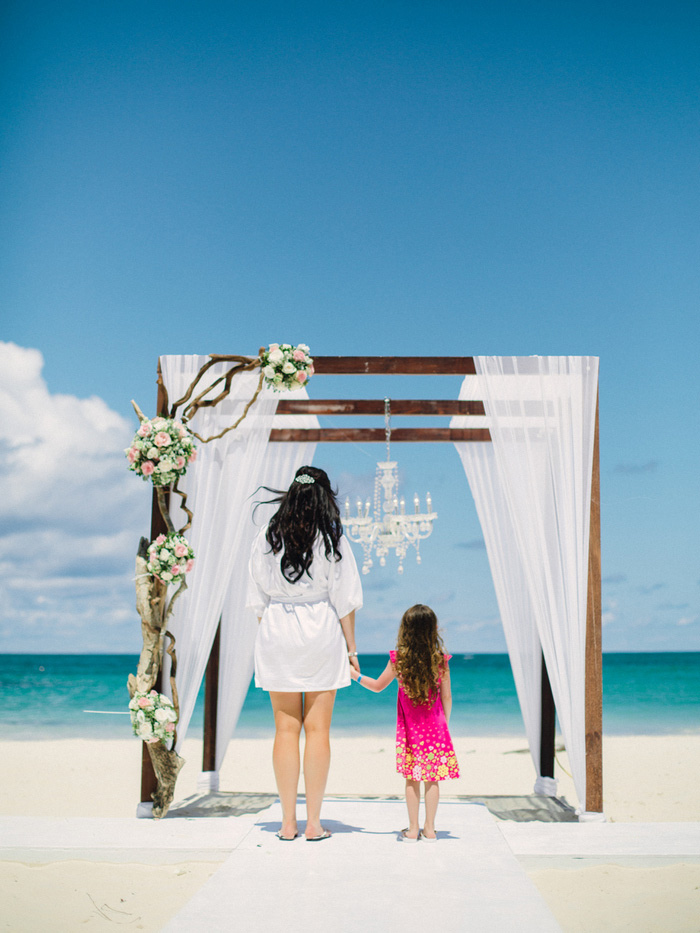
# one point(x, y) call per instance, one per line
point(541, 413)
point(238, 625)
point(508, 574)
point(226, 473)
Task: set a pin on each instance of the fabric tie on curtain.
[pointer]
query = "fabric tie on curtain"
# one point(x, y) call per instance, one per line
point(541, 414)
point(219, 484)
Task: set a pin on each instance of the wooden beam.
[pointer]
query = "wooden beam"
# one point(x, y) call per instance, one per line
point(594, 650)
point(395, 365)
point(367, 406)
point(547, 724)
point(211, 703)
point(149, 782)
point(376, 435)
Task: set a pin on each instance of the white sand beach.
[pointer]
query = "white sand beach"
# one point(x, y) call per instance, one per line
point(647, 779)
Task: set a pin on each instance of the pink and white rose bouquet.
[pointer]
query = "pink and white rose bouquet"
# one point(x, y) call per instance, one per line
point(285, 367)
point(161, 451)
point(153, 717)
point(170, 557)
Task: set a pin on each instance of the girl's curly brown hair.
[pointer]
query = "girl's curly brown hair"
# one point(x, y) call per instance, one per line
point(420, 654)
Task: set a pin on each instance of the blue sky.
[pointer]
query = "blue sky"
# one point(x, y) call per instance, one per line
point(398, 178)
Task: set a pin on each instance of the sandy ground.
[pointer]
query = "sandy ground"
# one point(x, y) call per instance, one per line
point(647, 779)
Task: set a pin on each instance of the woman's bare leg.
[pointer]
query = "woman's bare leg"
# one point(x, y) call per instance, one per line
point(287, 708)
point(412, 804)
point(432, 798)
point(318, 712)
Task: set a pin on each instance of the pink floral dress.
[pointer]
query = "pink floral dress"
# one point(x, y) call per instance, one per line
point(424, 750)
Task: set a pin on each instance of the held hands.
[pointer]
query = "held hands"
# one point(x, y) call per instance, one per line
point(354, 664)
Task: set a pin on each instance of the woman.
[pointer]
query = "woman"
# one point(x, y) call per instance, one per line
point(304, 588)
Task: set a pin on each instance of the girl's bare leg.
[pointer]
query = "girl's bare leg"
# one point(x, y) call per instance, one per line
point(432, 798)
point(413, 805)
point(318, 712)
point(287, 708)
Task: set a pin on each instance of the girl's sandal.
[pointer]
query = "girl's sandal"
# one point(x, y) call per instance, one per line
point(427, 838)
point(404, 838)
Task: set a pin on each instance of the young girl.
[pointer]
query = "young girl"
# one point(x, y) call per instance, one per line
point(424, 750)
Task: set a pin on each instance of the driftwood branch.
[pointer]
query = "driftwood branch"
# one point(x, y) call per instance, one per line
point(183, 505)
point(164, 510)
point(205, 440)
point(244, 362)
point(151, 606)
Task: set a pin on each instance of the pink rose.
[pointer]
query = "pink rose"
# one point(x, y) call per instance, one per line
point(132, 455)
point(311, 370)
point(144, 430)
point(180, 550)
point(299, 355)
point(160, 540)
point(147, 468)
point(192, 457)
point(189, 565)
point(152, 741)
point(145, 702)
point(180, 462)
point(161, 439)
point(175, 569)
point(301, 377)
point(170, 727)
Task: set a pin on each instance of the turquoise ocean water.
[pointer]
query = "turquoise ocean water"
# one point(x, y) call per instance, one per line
point(45, 696)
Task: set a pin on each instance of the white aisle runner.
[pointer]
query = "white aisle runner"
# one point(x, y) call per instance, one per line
point(363, 879)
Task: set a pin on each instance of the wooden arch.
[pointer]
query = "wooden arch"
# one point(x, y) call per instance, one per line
point(424, 366)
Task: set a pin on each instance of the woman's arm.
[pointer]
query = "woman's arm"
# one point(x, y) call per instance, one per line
point(347, 624)
point(376, 686)
point(446, 693)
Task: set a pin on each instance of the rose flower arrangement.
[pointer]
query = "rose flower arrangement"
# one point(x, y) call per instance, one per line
point(161, 450)
point(170, 557)
point(285, 367)
point(153, 717)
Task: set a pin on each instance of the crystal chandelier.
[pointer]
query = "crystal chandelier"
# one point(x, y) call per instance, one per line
point(389, 527)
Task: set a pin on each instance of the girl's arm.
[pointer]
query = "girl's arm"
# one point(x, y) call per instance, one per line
point(446, 693)
point(347, 623)
point(376, 686)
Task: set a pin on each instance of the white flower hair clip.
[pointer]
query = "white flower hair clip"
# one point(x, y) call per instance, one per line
point(304, 479)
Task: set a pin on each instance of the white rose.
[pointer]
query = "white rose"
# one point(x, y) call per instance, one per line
point(163, 699)
point(164, 554)
point(140, 716)
point(289, 368)
point(145, 731)
point(275, 356)
point(165, 466)
point(153, 453)
point(268, 372)
point(166, 576)
point(162, 715)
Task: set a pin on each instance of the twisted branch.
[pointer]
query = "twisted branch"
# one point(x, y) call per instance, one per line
point(205, 440)
point(183, 506)
point(246, 362)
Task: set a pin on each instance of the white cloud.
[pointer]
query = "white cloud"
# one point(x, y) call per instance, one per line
point(71, 515)
point(687, 620)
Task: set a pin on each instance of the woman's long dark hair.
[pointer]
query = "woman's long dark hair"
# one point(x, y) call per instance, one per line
point(306, 510)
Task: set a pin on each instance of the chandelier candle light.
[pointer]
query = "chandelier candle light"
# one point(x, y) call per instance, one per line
point(389, 527)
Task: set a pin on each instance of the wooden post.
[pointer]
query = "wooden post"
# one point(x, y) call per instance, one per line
point(547, 725)
point(594, 650)
point(149, 782)
point(211, 700)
